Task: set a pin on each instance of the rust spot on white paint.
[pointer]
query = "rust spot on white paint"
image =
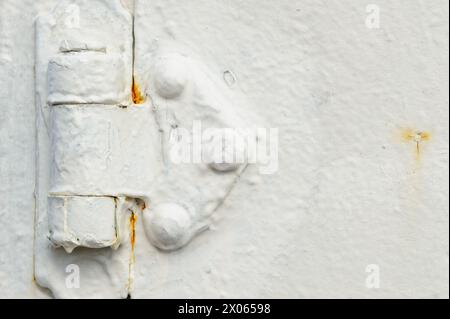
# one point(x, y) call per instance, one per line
point(417, 137)
point(136, 93)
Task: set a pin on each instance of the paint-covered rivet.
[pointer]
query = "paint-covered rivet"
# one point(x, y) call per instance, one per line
point(170, 77)
point(167, 225)
point(227, 152)
point(224, 167)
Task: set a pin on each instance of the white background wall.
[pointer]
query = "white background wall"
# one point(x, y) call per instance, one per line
point(349, 192)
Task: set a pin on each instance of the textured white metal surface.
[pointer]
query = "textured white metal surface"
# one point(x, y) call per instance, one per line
point(362, 180)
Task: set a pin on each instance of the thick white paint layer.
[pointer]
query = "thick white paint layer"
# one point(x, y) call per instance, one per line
point(98, 149)
point(83, 80)
point(349, 191)
point(82, 221)
point(87, 78)
point(103, 150)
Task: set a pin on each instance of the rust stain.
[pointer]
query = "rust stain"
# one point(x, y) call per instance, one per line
point(136, 93)
point(133, 219)
point(417, 137)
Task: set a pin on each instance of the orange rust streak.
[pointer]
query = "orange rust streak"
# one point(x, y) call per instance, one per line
point(133, 219)
point(136, 93)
